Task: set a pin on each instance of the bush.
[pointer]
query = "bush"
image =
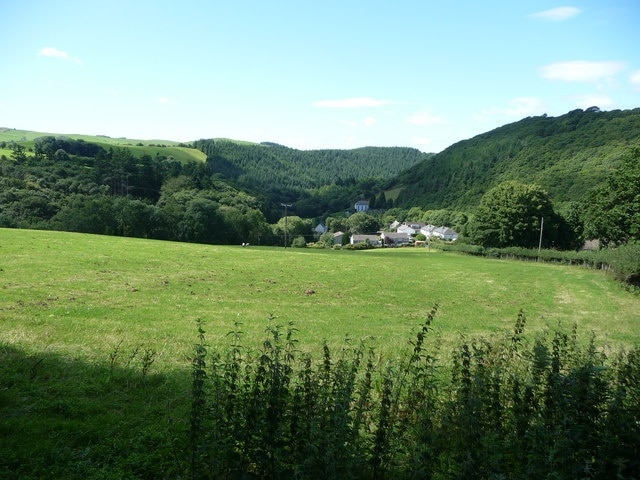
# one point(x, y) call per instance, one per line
point(625, 262)
point(299, 242)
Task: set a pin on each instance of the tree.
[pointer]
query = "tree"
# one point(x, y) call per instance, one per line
point(363, 223)
point(294, 227)
point(336, 224)
point(201, 222)
point(18, 152)
point(613, 208)
point(510, 215)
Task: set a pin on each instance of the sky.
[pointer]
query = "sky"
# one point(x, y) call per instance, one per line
point(311, 74)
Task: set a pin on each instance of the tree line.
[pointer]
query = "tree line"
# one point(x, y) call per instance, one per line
point(236, 195)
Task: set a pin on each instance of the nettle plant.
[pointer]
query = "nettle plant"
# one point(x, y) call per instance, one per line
point(505, 407)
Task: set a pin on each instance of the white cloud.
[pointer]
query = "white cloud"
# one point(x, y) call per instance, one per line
point(595, 100)
point(162, 100)
point(635, 79)
point(556, 14)
point(55, 53)
point(355, 102)
point(581, 71)
point(424, 119)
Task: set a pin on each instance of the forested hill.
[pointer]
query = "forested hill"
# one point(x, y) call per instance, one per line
point(269, 166)
point(566, 155)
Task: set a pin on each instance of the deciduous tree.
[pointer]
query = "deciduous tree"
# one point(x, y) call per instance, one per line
point(510, 215)
point(613, 209)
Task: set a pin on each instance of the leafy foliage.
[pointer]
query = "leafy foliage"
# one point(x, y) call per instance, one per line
point(513, 214)
point(508, 407)
point(613, 209)
point(566, 155)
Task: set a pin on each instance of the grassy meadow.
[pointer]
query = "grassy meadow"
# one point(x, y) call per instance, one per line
point(97, 333)
point(137, 147)
point(84, 294)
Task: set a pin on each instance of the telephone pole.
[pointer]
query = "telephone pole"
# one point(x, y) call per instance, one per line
point(285, 205)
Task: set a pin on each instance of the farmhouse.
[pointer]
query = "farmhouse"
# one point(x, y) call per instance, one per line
point(373, 239)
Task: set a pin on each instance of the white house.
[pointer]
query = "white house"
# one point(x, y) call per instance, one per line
point(404, 228)
point(362, 205)
point(427, 230)
point(445, 233)
point(409, 227)
point(337, 238)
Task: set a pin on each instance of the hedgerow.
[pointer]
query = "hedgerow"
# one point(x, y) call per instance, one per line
point(623, 261)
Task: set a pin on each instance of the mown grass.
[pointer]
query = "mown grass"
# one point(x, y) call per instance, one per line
point(97, 333)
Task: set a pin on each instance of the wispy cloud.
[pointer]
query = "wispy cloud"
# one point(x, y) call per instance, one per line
point(355, 102)
point(60, 54)
point(556, 14)
point(424, 119)
point(635, 80)
point(162, 100)
point(581, 71)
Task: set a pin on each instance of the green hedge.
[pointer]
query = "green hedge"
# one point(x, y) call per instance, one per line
point(623, 261)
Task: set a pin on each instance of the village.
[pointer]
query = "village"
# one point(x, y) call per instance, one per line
point(398, 234)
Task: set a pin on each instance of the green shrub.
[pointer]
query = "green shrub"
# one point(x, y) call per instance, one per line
point(507, 407)
point(299, 242)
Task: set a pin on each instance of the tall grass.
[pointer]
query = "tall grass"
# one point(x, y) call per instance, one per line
point(509, 407)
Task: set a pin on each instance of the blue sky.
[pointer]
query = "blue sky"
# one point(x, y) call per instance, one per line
point(322, 74)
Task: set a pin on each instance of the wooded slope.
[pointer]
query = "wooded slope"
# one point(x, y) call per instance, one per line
point(567, 155)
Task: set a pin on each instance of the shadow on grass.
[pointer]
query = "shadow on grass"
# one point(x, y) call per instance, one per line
point(66, 418)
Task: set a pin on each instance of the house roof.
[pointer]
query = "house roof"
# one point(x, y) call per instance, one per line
point(395, 235)
point(373, 238)
point(444, 231)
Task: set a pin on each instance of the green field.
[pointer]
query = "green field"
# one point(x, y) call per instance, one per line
point(83, 294)
point(97, 333)
point(137, 147)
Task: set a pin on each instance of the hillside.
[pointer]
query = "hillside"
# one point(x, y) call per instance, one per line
point(567, 155)
point(137, 147)
point(269, 165)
